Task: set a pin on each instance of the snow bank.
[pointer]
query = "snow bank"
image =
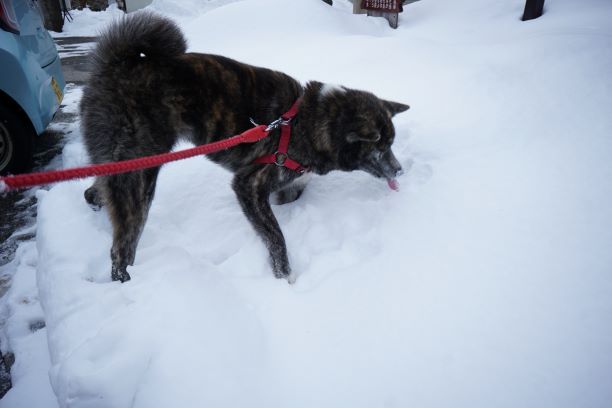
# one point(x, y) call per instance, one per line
point(484, 282)
point(87, 23)
point(187, 9)
point(23, 331)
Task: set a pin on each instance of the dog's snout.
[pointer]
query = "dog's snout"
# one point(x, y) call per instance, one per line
point(394, 166)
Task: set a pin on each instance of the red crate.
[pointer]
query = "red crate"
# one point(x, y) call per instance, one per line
point(389, 6)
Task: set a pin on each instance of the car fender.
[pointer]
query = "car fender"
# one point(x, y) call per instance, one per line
point(29, 97)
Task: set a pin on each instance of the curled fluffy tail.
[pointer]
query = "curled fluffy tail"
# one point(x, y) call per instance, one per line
point(143, 33)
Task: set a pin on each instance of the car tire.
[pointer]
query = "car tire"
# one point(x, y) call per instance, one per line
point(16, 140)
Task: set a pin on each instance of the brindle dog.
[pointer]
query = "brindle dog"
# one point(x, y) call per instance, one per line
point(145, 91)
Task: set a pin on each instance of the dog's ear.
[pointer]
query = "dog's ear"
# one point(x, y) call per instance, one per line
point(372, 137)
point(395, 107)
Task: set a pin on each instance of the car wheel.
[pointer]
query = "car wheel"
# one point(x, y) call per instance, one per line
point(16, 138)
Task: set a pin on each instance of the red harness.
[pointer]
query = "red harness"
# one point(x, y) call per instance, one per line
point(280, 157)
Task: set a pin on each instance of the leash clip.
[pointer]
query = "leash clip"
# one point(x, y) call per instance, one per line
point(275, 124)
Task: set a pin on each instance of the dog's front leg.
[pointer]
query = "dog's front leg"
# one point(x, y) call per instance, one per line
point(253, 191)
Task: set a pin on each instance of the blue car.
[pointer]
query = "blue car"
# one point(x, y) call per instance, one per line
point(31, 82)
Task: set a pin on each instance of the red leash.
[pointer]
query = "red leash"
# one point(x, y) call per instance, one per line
point(252, 135)
point(35, 179)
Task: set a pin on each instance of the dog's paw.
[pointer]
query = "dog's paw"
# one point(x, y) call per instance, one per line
point(92, 196)
point(286, 196)
point(119, 275)
point(291, 278)
point(95, 207)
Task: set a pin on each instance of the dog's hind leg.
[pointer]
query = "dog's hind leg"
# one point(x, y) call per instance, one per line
point(128, 199)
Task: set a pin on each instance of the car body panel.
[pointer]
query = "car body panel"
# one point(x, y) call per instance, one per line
point(32, 33)
point(30, 68)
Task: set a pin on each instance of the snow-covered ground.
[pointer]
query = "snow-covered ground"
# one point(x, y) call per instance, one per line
point(485, 282)
point(86, 23)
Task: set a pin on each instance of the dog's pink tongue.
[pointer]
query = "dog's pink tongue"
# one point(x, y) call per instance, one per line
point(393, 184)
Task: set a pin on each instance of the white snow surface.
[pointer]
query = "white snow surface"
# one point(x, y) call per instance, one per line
point(485, 282)
point(88, 23)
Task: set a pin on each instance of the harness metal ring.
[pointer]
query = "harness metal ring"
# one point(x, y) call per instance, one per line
point(280, 158)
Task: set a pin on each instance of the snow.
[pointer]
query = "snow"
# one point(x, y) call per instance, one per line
point(87, 23)
point(486, 281)
point(29, 374)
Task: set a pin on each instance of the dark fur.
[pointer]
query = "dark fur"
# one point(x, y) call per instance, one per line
point(145, 90)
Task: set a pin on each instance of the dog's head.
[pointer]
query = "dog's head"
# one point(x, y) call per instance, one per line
point(360, 126)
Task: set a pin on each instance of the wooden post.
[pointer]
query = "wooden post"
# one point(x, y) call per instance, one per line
point(52, 13)
point(357, 7)
point(121, 5)
point(78, 4)
point(392, 18)
point(388, 9)
point(97, 5)
point(533, 9)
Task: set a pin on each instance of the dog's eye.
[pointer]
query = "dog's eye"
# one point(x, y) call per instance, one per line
point(372, 137)
point(383, 146)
